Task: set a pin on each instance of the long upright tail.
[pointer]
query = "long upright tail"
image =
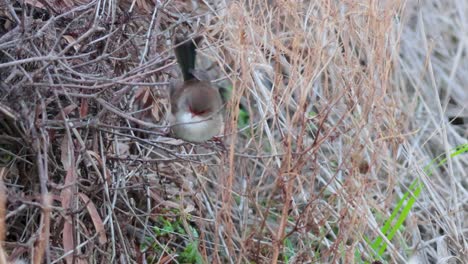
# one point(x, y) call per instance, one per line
point(185, 54)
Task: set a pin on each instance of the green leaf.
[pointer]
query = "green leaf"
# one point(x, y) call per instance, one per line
point(404, 206)
point(191, 254)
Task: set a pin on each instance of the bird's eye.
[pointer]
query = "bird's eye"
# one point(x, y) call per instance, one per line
point(197, 111)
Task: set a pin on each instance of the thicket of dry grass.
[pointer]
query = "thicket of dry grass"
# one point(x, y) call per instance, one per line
point(347, 101)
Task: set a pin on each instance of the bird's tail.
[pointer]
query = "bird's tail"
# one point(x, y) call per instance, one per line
point(185, 54)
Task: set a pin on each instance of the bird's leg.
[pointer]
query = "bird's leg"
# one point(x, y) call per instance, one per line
point(218, 142)
point(166, 131)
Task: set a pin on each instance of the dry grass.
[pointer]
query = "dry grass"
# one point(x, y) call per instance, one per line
point(347, 101)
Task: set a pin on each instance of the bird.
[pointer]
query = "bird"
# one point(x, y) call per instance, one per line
point(196, 105)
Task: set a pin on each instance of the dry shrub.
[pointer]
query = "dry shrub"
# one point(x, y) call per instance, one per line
point(346, 102)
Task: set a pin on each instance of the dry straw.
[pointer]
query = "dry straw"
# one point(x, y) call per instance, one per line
point(335, 107)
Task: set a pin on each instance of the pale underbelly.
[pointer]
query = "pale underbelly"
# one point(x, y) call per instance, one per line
point(196, 129)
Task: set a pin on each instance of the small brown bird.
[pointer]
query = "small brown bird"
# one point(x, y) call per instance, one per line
point(195, 104)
